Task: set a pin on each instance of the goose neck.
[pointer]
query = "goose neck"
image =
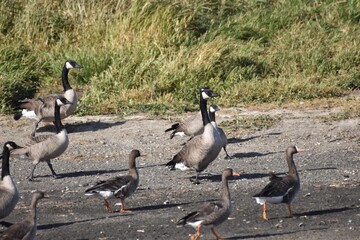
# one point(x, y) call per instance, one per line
point(203, 109)
point(58, 125)
point(5, 169)
point(291, 164)
point(225, 190)
point(65, 79)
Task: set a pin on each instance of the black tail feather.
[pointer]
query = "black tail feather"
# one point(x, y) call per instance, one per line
point(185, 219)
point(173, 127)
point(17, 116)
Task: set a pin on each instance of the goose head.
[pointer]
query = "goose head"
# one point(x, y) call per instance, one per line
point(214, 108)
point(39, 195)
point(11, 145)
point(207, 93)
point(229, 172)
point(294, 149)
point(69, 64)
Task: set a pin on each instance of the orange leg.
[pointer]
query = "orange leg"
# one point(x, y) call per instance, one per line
point(265, 212)
point(122, 209)
point(107, 206)
point(198, 233)
point(290, 210)
point(216, 234)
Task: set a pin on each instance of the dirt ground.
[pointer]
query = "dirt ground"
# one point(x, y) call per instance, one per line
point(327, 207)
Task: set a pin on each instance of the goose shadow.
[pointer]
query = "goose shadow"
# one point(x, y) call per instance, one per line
point(77, 127)
point(251, 154)
point(326, 211)
point(165, 206)
point(239, 140)
point(56, 225)
point(308, 170)
point(214, 177)
point(274, 234)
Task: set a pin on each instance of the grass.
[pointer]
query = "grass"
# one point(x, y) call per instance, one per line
point(152, 56)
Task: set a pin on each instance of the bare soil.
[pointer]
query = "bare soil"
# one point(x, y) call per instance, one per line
point(327, 207)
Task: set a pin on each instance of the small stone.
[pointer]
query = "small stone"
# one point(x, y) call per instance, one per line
point(301, 224)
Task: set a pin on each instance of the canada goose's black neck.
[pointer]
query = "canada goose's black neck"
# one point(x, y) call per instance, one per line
point(203, 109)
point(212, 116)
point(57, 122)
point(65, 79)
point(5, 171)
point(290, 162)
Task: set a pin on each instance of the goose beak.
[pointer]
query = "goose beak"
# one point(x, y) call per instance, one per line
point(46, 195)
point(78, 66)
point(213, 94)
point(300, 149)
point(236, 174)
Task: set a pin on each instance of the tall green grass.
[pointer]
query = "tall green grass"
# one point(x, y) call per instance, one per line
point(146, 55)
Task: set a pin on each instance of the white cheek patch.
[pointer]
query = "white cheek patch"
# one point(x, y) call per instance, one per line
point(204, 95)
point(68, 65)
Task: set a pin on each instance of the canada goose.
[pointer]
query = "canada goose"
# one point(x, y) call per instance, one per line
point(201, 150)
point(43, 107)
point(43, 148)
point(281, 189)
point(118, 187)
point(26, 229)
point(9, 195)
point(191, 126)
point(213, 108)
point(213, 213)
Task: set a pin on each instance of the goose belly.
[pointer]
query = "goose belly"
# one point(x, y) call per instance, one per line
point(274, 200)
point(51, 148)
point(69, 109)
point(9, 196)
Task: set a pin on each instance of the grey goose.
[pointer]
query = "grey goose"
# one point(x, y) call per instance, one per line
point(118, 187)
point(191, 126)
point(201, 150)
point(43, 148)
point(9, 195)
point(281, 189)
point(212, 213)
point(43, 107)
point(26, 229)
point(214, 108)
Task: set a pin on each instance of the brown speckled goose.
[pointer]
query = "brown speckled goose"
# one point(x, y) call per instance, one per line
point(46, 147)
point(201, 150)
point(213, 108)
point(213, 213)
point(9, 195)
point(26, 229)
point(281, 189)
point(43, 107)
point(118, 187)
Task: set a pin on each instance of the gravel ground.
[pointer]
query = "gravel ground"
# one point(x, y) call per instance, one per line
point(327, 206)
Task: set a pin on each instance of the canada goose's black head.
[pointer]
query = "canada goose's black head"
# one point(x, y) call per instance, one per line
point(62, 101)
point(11, 145)
point(207, 93)
point(294, 149)
point(69, 64)
point(214, 108)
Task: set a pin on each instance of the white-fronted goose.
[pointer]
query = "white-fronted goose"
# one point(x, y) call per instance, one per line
point(26, 229)
point(213, 213)
point(9, 195)
point(281, 189)
point(118, 187)
point(201, 150)
point(191, 126)
point(43, 107)
point(213, 108)
point(43, 148)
